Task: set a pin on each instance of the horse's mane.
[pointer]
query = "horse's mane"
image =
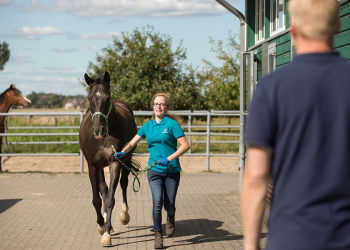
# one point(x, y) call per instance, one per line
point(2, 96)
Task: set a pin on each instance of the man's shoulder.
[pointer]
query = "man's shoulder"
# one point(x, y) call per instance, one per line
point(277, 76)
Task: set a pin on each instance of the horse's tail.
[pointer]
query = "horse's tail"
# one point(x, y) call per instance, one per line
point(135, 165)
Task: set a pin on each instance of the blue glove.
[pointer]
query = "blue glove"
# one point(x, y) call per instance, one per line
point(163, 162)
point(119, 155)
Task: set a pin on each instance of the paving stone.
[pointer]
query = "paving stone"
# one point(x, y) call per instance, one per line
point(43, 211)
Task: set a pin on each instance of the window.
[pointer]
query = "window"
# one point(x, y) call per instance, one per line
point(277, 15)
point(259, 19)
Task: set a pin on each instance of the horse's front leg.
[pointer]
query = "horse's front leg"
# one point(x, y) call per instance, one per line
point(124, 217)
point(103, 188)
point(104, 192)
point(96, 199)
point(114, 171)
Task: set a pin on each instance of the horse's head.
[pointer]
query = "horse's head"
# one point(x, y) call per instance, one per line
point(16, 98)
point(99, 98)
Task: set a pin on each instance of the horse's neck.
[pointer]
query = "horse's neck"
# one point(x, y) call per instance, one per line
point(4, 108)
point(114, 118)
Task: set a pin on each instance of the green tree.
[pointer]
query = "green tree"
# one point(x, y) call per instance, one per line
point(33, 97)
point(142, 64)
point(42, 102)
point(222, 83)
point(4, 54)
point(55, 100)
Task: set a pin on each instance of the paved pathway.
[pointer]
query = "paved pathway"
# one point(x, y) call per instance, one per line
point(55, 211)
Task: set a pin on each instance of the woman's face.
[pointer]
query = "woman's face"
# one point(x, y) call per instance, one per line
point(160, 107)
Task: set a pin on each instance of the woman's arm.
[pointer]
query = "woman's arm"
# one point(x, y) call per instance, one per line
point(184, 146)
point(131, 144)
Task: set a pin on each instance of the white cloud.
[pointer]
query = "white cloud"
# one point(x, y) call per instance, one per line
point(95, 48)
point(6, 2)
point(6, 71)
point(33, 33)
point(47, 30)
point(61, 71)
point(59, 85)
point(94, 36)
point(20, 59)
point(65, 50)
point(122, 8)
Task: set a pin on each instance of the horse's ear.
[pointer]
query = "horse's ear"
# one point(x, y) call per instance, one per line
point(107, 78)
point(12, 87)
point(88, 80)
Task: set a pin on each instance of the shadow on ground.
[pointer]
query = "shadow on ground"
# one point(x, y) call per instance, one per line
point(203, 230)
point(196, 231)
point(6, 204)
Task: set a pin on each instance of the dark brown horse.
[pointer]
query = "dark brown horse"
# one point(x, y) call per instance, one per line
point(9, 97)
point(102, 118)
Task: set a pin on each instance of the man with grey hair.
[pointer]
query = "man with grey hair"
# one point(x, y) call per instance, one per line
point(298, 132)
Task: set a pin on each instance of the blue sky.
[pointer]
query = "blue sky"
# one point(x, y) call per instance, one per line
point(52, 42)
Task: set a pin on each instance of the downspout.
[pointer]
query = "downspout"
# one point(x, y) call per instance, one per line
point(242, 89)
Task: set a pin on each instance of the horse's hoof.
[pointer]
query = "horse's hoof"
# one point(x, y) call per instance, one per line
point(101, 230)
point(124, 218)
point(106, 241)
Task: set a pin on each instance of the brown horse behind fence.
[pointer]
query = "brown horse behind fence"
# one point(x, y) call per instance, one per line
point(103, 118)
point(9, 97)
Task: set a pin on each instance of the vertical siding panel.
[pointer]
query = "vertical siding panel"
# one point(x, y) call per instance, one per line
point(250, 23)
point(267, 19)
point(287, 20)
point(265, 56)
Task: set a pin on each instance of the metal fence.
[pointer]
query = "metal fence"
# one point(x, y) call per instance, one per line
point(187, 113)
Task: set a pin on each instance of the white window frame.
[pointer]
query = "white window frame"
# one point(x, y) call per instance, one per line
point(272, 57)
point(260, 24)
point(277, 17)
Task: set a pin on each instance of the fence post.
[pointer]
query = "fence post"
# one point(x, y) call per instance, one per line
point(208, 141)
point(5, 137)
point(189, 131)
point(81, 152)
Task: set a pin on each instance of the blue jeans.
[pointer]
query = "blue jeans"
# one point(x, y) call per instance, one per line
point(164, 188)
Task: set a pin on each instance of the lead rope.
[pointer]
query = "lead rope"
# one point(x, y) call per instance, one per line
point(135, 174)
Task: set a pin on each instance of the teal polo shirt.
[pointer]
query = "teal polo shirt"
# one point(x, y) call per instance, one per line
point(162, 142)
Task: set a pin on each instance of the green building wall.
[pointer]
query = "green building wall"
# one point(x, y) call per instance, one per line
point(283, 42)
point(342, 40)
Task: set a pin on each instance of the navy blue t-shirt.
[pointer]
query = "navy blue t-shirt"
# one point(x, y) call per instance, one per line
point(302, 111)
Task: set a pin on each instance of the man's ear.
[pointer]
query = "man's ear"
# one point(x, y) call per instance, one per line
point(293, 28)
point(88, 80)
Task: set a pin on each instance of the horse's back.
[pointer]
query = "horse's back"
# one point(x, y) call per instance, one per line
point(124, 106)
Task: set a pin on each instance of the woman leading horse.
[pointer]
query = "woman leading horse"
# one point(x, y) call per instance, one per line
point(163, 133)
